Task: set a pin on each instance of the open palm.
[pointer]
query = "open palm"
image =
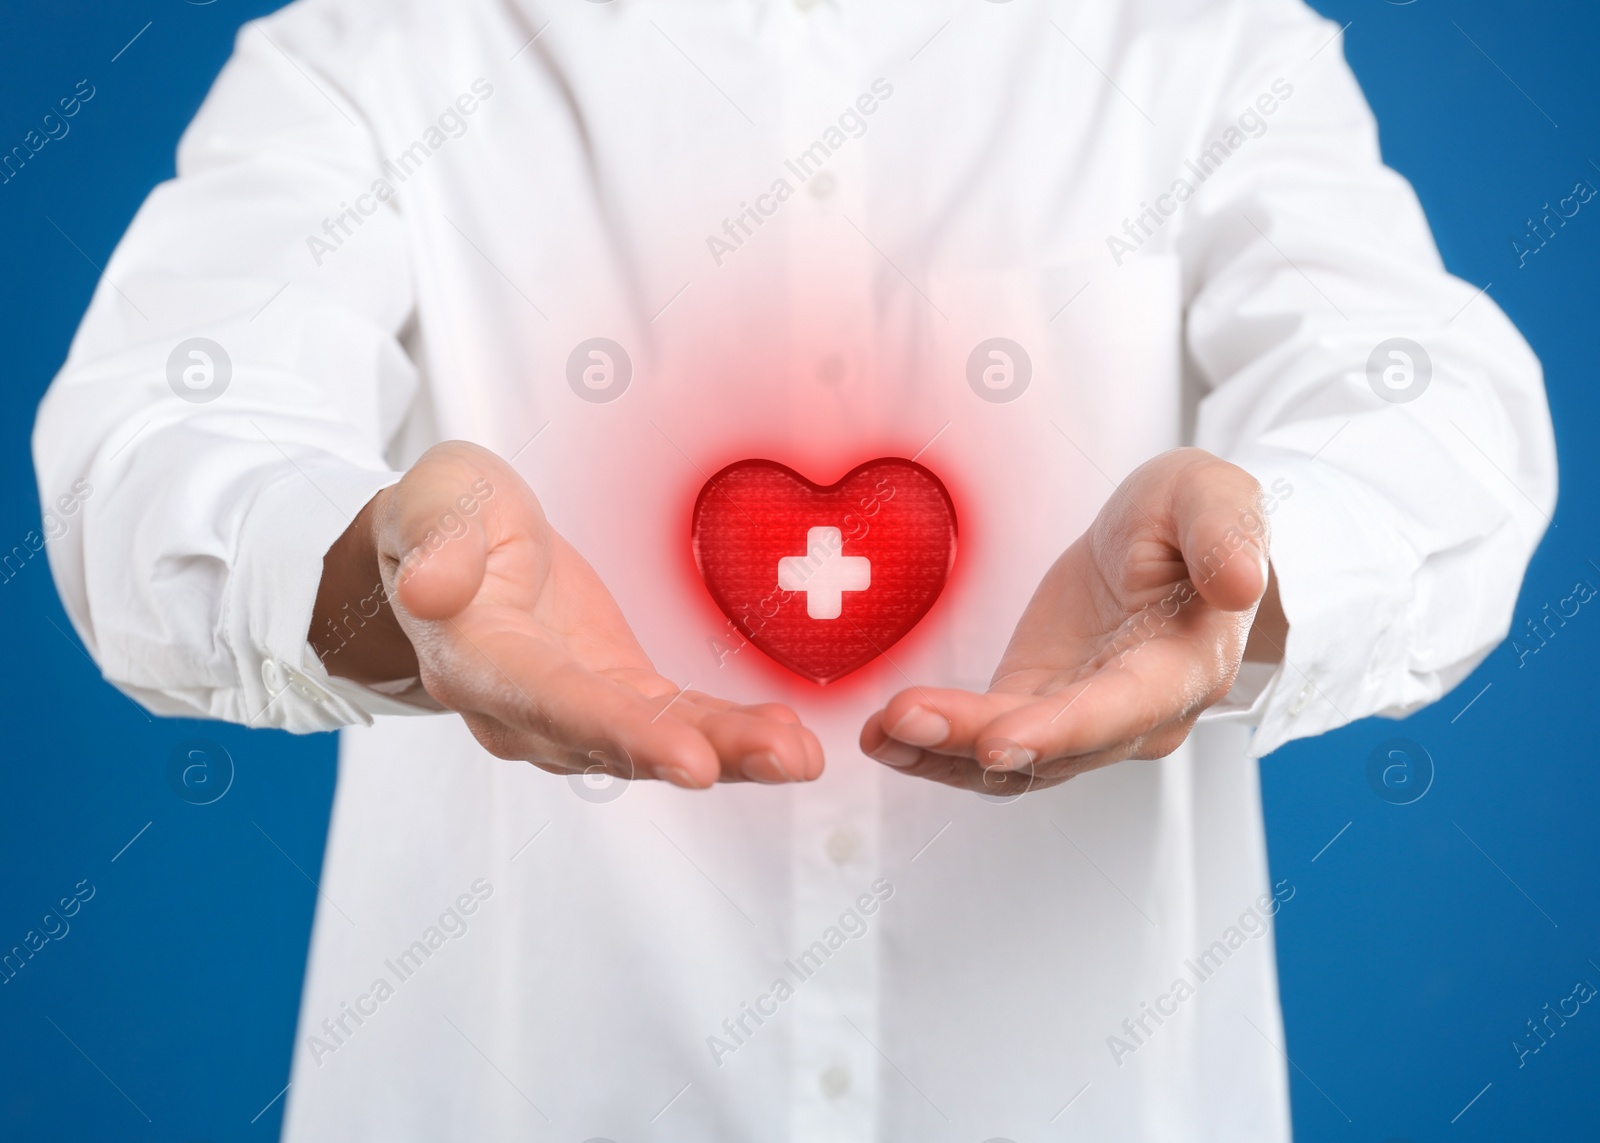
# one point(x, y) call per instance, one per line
point(1134, 631)
point(512, 628)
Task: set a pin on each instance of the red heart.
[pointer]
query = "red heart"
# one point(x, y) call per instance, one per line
point(824, 579)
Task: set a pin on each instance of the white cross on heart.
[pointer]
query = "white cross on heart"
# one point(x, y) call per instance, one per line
point(824, 573)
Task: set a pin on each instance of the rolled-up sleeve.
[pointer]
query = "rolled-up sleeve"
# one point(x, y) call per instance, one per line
point(1407, 482)
point(228, 398)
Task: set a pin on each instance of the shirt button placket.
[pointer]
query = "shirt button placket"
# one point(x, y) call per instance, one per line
point(833, 1085)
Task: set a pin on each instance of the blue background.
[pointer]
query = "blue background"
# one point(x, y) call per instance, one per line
point(1417, 945)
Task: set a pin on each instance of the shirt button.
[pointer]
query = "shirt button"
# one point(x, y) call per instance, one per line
point(834, 1082)
point(278, 676)
point(822, 184)
point(1302, 699)
point(842, 845)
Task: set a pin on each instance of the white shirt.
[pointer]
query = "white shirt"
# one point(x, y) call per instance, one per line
point(799, 220)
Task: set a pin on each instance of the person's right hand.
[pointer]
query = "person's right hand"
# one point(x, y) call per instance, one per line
point(503, 621)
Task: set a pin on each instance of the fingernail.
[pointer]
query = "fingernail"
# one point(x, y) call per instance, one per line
point(764, 767)
point(897, 754)
point(921, 727)
point(677, 776)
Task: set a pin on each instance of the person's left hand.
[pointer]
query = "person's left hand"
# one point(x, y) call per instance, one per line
point(1136, 629)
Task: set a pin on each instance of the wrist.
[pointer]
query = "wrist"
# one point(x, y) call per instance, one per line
point(353, 628)
point(1270, 631)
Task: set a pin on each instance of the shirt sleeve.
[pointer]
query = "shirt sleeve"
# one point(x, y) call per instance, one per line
point(227, 400)
point(1394, 416)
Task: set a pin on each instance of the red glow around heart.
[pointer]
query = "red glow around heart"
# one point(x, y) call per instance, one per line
point(824, 579)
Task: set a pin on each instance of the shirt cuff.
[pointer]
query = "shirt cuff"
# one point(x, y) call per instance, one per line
point(1248, 697)
point(1347, 583)
point(272, 591)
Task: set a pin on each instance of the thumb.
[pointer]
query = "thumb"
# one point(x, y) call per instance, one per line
point(1223, 533)
point(432, 535)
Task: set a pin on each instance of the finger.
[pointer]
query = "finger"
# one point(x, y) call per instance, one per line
point(815, 761)
point(959, 772)
point(813, 747)
point(755, 747)
point(1002, 768)
point(515, 743)
point(758, 742)
point(750, 746)
point(908, 759)
point(947, 719)
point(1156, 743)
point(775, 710)
point(685, 737)
point(1222, 531)
point(876, 742)
point(434, 546)
point(554, 699)
point(1105, 712)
